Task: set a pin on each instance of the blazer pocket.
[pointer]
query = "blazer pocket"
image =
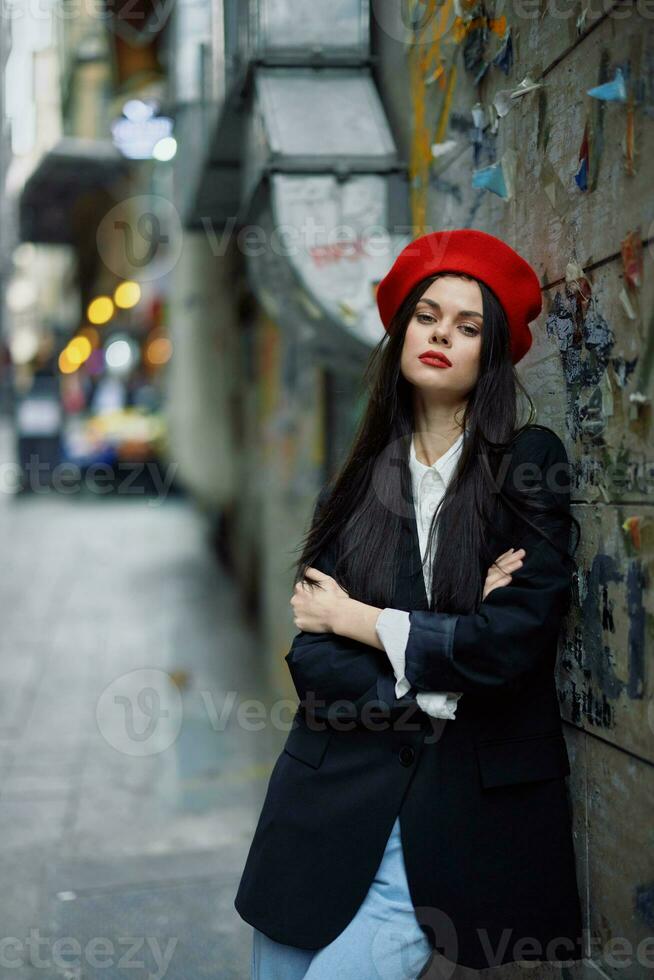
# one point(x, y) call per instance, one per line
point(307, 744)
point(522, 759)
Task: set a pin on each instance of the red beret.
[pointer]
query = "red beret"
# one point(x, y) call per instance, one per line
point(484, 256)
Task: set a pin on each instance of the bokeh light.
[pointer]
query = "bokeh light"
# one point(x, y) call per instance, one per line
point(165, 149)
point(127, 294)
point(158, 351)
point(100, 310)
point(78, 350)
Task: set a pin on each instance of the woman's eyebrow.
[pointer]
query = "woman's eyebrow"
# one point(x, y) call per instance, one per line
point(437, 306)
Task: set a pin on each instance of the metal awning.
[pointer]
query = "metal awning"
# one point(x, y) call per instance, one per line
point(323, 180)
point(71, 169)
point(302, 120)
point(324, 270)
point(308, 120)
point(291, 29)
point(318, 161)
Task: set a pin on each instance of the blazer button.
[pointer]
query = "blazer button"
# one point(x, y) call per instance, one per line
point(407, 755)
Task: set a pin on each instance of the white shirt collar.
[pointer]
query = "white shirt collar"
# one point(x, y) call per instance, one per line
point(444, 466)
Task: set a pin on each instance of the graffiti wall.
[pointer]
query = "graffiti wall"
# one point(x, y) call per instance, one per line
point(535, 122)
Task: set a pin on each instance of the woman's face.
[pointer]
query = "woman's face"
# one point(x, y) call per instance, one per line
point(447, 320)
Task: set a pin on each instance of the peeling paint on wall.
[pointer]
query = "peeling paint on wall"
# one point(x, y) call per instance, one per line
point(608, 589)
point(584, 343)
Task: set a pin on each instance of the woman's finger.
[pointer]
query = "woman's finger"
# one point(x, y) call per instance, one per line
point(506, 568)
point(512, 553)
point(501, 576)
point(510, 564)
point(514, 561)
point(489, 586)
point(509, 560)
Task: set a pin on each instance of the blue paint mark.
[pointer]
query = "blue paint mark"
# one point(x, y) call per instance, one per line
point(637, 580)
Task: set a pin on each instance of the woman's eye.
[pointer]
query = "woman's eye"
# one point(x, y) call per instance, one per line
point(470, 328)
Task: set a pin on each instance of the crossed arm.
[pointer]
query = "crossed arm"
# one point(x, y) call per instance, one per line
point(511, 634)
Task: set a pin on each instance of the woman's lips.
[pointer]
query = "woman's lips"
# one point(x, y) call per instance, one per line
point(434, 361)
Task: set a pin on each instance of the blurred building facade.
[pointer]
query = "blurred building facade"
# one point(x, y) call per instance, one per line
point(86, 320)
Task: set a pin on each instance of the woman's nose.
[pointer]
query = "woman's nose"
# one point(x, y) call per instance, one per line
point(442, 335)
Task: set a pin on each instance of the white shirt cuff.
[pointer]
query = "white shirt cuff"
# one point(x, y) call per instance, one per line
point(392, 628)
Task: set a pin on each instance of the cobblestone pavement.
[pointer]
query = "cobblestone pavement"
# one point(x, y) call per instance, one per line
point(127, 801)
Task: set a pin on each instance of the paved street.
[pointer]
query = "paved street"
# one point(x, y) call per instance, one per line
point(127, 802)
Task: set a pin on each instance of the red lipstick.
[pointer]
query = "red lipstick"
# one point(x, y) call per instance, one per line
point(435, 359)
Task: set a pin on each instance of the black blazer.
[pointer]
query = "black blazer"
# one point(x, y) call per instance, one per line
point(483, 801)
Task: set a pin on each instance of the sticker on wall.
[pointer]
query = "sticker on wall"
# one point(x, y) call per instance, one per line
point(627, 304)
point(473, 47)
point(581, 176)
point(580, 23)
point(440, 150)
point(504, 57)
point(613, 91)
point(638, 398)
point(499, 178)
point(623, 369)
point(506, 98)
point(578, 286)
point(491, 179)
point(478, 113)
point(632, 526)
point(631, 248)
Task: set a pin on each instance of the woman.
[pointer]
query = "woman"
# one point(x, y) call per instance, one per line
point(420, 802)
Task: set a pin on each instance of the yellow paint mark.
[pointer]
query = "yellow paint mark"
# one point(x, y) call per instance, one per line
point(629, 138)
point(427, 65)
point(444, 115)
point(498, 24)
point(440, 28)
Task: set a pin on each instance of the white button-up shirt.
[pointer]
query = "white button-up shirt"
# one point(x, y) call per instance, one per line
point(429, 484)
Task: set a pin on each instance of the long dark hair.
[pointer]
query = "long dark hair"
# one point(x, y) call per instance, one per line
point(371, 494)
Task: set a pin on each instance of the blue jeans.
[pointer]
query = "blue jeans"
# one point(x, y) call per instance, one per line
point(382, 942)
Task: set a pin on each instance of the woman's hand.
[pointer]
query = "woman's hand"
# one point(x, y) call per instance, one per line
point(315, 606)
point(508, 563)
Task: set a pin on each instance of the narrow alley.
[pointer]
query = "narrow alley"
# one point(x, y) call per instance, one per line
point(126, 802)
